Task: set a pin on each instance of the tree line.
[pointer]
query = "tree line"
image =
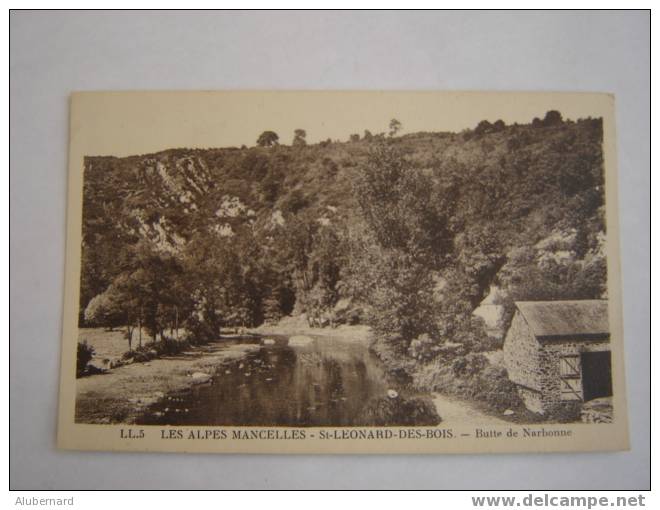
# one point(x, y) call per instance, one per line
point(424, 225)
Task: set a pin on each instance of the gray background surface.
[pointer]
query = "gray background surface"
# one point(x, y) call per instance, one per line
point(53, 54)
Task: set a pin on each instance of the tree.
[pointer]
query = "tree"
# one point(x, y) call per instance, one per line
point(227, 282)
point(483, 128)
point(267, 139)
point(270, 185)
point(324, 267)
point(299, 138)
point(149, 289)
point(395, 127)
point(405, 242)
point(552, 118)
point(105, 310)
point(397, 291)
point(354, 138)
point(84, 356)
point(402, 207)
point(367, 135)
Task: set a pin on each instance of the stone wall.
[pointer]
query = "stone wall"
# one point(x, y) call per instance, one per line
point(521, 354)
point(549, 368)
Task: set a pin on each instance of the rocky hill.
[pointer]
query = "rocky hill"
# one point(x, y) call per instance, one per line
point(520, 206)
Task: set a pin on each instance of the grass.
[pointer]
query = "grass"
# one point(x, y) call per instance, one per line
point(107, 345)
point(112, 345)
point(122, 394)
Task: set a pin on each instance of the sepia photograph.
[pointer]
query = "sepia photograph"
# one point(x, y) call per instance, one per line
point(328, 249)
point(387, 275)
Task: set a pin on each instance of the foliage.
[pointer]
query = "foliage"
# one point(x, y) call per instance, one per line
point(84, 355)
point(400, 208)
point(105, 310)
point(423, 348)
point(294, 202)
point(470, 377)
point(395, 127)
point(299, 136)
point(411, 230)
point(405, 238)
point(152, 350)
point(400, 411)
point(267, 139)
point(552, 118)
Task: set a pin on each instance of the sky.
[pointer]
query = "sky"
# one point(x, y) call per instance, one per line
point(129, 123)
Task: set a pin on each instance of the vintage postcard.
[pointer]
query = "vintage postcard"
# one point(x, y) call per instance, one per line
point(342, 272)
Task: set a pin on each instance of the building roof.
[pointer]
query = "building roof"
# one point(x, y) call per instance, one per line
point(557, 319)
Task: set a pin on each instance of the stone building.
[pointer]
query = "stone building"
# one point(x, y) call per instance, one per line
point(558, 353)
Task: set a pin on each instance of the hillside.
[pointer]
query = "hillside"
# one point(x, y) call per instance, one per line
point(404, 233)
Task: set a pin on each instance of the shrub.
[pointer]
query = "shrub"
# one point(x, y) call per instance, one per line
point(141, 356)
point(494, 387)
point(105, 310)
point(435, 376)
point(387, 348)
point(201, 331)
point(400, 411)
point(355, 316)
point(165, 347)
point(469, 366)
point(169, 347)
point(470, 377)
point(346, 312)
point(84, 356)
point(423, 348)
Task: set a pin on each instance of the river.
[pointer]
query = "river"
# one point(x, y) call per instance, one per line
point(313, 381)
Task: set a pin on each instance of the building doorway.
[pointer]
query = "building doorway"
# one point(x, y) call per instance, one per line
point(596, 375)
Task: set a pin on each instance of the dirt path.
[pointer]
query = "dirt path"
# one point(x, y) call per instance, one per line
point(457, 412)
point(121, 394)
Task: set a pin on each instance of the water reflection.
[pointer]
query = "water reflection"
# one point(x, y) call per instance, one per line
point(326, 382)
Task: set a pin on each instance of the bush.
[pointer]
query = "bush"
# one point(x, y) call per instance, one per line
point(435, 376)
point(201, 332)
point(387, 348)
point(469, 366)
point(347, 312)
point(400, 411)
point(470, 377)
point(494, 387)
point(84, 356)
point(169, 347)
point(141, 354)
point(165, 347)
point(423, 348)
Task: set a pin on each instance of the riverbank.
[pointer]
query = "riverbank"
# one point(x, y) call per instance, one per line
point(289, 326)
point(122, 394)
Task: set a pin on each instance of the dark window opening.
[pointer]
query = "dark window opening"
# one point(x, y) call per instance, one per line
point(596, 375)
